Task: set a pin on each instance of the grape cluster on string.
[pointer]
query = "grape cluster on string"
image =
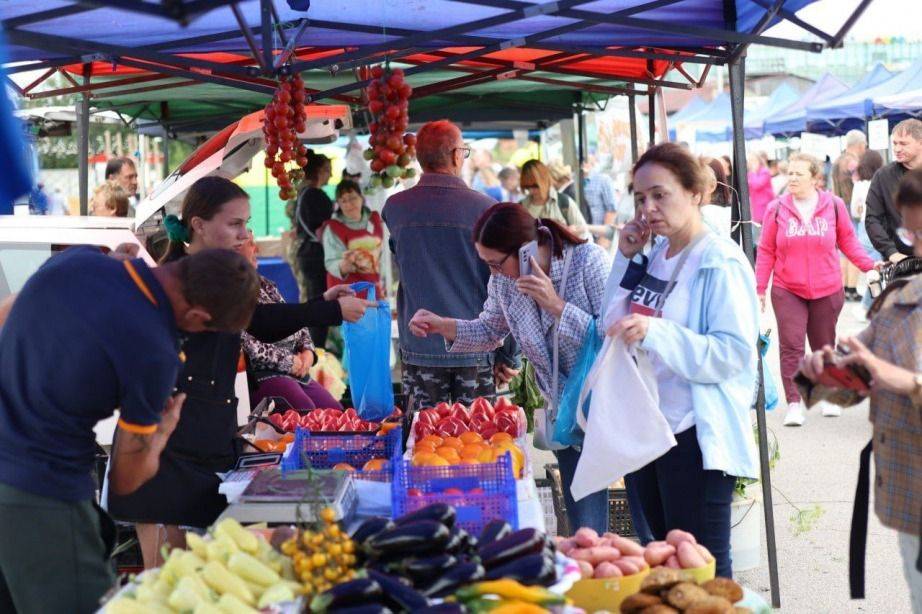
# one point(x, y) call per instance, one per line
point(284, 119)
point(390, 149)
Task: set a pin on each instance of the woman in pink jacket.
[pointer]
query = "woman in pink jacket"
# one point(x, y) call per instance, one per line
point(759, 179)
point(802, 233)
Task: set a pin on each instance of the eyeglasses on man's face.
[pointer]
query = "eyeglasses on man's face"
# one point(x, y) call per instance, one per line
point(465, 151)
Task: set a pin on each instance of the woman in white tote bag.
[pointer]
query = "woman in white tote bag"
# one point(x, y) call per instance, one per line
point(546, 312)
point(691, 306)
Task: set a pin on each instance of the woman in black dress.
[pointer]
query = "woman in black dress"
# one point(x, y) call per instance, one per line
point(184, 492)
point(314, 208)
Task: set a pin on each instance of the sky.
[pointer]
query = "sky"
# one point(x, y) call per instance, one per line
point(882, 18)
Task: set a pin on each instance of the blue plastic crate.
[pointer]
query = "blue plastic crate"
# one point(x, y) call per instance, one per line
point(324, 450)
point(498, 499)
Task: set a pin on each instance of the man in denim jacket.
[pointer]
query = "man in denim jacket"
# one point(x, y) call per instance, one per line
point(431, 227)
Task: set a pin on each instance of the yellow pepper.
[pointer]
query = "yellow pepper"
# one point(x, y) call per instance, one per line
point(232, 605)
point(249, 568)
point(244, 539)
point(511, 590)
point(220, 579)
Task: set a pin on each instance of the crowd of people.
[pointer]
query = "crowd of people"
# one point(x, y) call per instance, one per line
point(673, 287)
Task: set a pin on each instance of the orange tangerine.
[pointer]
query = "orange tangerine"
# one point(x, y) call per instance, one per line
point(434, 439)
point(449, 454)
point(471, 450)
point(453, 442)
point(498, 437)
point(420, 459)
point(518, 456)
point(469, 461)
point(471, 437)
point(436, 461)
point(487, 455)
point(425, 446)
point(375, 464)
point(343, 467)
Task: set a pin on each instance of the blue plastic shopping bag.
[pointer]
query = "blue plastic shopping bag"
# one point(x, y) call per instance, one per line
point(771, 391)
point(368, 358)
point(566, 430)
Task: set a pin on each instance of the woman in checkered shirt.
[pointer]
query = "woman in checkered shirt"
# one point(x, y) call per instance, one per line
point(530, 307)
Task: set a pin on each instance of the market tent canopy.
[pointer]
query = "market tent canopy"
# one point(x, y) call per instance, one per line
point(792, 120)
point(854, 108)
point(908, 103)
point(783, 96)
point(565, 45)
point(187, 107)
point(363, 23)
point(693, 106)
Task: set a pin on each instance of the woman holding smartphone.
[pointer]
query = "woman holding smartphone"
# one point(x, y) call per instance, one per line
point(547, 310)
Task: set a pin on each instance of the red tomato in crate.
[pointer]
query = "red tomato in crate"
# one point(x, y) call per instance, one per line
point(422, 429)
point(428, 416)
point(489, 429)
point(481, 406)
point(460, 412)
point(414, 492)
point(453, 491)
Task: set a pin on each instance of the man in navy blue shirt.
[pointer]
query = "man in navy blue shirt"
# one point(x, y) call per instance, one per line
point(111, 328)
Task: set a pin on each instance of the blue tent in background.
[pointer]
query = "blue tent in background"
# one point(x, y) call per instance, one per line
point(906, 101)
point(753, 121)
point(693, 106)
point(853, 108)
point(792, 119)
point(781, 97)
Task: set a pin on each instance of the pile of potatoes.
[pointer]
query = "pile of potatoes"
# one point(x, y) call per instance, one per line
point(613, 556)
point(667, 591)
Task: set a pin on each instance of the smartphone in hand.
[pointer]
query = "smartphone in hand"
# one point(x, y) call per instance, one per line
point(526, 253)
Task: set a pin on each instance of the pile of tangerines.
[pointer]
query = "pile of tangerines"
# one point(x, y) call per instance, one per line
point(469, 448)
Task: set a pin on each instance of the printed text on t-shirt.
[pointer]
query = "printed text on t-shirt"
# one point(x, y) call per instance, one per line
point(648, 295)
point(817, 227)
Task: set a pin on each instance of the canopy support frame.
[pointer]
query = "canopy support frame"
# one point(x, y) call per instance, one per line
point(742, 217)
point(632, 116)
point(760, 27)
point(83, 144)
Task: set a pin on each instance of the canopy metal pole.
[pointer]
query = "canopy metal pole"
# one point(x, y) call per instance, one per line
point(741, 212)
point(83, 143)
point(632, 114)
point(580, 152)
point(651, 115)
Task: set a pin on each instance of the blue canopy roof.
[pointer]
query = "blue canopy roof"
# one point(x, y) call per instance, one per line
point(783, 96)
point(855, 107)
point(693, 106)
point(337, 23)
point(792, 119)
point(905, 96)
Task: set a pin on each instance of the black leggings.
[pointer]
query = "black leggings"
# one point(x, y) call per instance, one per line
point(675, 492)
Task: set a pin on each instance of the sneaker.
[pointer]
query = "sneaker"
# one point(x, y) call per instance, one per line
point(830, 410)
point(795, 415)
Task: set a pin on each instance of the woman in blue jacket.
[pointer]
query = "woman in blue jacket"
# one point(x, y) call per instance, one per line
point(691, 305)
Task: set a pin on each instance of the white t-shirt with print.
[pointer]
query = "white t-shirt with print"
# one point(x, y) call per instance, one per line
point(674, 391)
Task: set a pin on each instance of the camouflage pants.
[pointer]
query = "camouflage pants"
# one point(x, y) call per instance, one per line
point(430, 385)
